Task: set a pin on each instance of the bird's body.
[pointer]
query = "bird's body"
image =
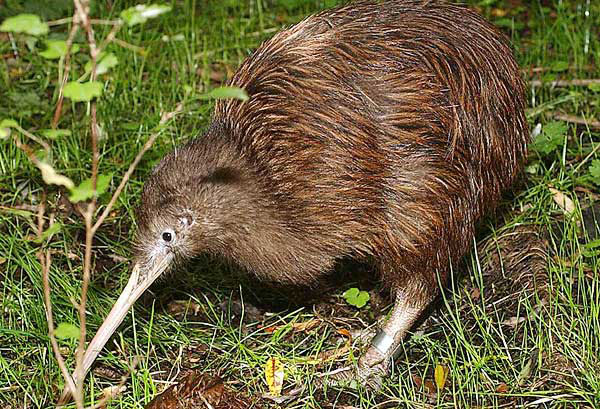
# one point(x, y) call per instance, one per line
point(378, 130)
point(374, 130)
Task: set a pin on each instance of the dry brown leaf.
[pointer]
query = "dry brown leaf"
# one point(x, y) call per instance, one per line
point(430, 387)
point(334, 354)
point(305, 326)
point(113, 391)
point(502, 388)
point(418, 381)
point(296, 326)
point(514, 321)
point(197, 390)
point(562, 200)
point(181, 307)
point(345, 333)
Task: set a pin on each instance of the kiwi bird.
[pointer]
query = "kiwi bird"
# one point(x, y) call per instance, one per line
point(379, 131)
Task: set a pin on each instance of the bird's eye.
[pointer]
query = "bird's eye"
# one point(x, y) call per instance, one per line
point(168, 235)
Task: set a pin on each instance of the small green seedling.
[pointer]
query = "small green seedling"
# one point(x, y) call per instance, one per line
point(66, 331)
point(595, 171)
point(356, 297)
point(550, 138)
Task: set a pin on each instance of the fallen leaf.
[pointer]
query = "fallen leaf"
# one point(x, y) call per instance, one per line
point(333, 354)
point(270, 330)
point(345, 333)
point(198, 390)
point(502, 388)
point(430, 387)
point(514, 321)
point(441, 376)
point(418, 381)
point(305, 326)
point(497, 12)
point(182, 307)
point(118, 259)
point(113, 391)
point(296, 326)
point(50, 176)
point(274, 376)
point(562, 200)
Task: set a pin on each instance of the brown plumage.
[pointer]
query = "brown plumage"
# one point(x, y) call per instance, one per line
point(374, 129)
point(378, 130)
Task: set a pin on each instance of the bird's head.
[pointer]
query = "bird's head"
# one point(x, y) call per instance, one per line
point(186, 205)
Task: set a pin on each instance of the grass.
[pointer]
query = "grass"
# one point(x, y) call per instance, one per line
point(506, 344)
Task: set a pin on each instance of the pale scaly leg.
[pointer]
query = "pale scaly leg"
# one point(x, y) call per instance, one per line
point(375, 363)
point(386, 342)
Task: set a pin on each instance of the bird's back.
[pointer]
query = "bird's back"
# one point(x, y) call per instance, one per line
point(363, 118)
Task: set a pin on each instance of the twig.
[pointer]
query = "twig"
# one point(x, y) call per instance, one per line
point(82, 9)
point(574, 119)
point(45, 262)
point(119, 388)
point(125, 44)
point(34, 138)
point(537, 70)
point(68, 20)
point(13, 46)
point(564, 83)
point(65, 77)
point(91, 230)
point(110, 37)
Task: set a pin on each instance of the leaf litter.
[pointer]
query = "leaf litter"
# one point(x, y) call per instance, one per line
point(195, 389)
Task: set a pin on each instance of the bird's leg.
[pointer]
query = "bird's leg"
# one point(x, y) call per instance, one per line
point(385, 344)
point(375, 363)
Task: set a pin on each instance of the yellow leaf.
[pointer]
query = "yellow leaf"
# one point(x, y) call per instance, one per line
point(274, 376)
point(441, 375)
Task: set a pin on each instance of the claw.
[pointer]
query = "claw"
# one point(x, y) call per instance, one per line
point(370, 372)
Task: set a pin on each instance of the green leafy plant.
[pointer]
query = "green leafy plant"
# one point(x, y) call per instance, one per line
point(25, 23)
point(85, 196)
point(83, 92)
point(356, 297)
point(551, 137)
point(226, 93)
point(595, 171)
point(65, 330)
point(57, 48)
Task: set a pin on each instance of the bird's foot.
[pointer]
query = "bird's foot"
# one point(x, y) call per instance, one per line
point(371, 370)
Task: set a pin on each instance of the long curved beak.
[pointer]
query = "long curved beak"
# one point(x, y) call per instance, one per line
point(142, 276)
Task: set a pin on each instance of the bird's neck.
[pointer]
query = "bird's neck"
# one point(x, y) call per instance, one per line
point(246, 223)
